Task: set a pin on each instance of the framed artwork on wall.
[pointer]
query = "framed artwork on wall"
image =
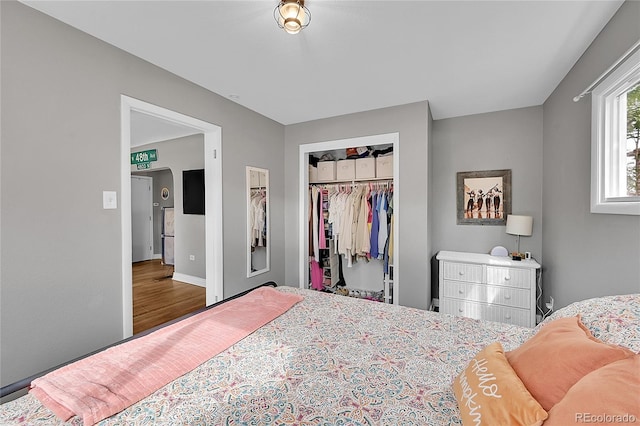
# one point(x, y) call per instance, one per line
point(483, 197)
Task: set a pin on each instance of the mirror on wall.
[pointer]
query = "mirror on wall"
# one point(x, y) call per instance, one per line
point(257, 221)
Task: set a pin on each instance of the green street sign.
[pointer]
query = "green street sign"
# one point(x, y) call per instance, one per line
point(144, 157)
point(143, 166)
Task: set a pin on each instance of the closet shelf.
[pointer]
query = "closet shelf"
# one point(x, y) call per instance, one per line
point(351, 181)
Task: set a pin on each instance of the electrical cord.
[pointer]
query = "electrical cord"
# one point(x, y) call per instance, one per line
point(539, 297)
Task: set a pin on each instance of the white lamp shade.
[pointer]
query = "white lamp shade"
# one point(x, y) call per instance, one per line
point(519, 225)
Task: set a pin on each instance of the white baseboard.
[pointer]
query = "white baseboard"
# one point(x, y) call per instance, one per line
point(190, 279)
point(157, 256)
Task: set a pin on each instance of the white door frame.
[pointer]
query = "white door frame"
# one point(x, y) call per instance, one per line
point(149, 181)
point(303, 185)
point(213, 200)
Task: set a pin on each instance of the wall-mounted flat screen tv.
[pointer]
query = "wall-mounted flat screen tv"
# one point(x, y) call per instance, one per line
point(193, 191)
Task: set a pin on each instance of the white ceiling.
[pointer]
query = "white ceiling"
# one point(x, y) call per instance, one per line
point(464, 57)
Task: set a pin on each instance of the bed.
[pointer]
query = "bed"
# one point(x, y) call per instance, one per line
point(336, 360)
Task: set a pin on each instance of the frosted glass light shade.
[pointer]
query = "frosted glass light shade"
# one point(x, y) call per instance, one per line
point(292, 15)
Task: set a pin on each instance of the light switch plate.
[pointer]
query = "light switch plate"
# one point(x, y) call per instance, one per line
point(109, 200)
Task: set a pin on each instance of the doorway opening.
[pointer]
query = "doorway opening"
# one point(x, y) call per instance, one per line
point(213, 199)
point(141, 218)
point(161, 213)
point(159, 295)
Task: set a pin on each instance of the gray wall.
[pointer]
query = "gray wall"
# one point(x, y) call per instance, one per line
point(60, 266)
point(411, 121)
point(585, 255)
point(179, 155)
point(493, 141)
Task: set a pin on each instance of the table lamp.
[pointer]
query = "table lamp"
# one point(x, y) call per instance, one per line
point(519, 225)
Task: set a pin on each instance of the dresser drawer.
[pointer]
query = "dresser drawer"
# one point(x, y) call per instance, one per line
point(512, 277)
point(462, 272)
point(501, 295)
point(482, 311)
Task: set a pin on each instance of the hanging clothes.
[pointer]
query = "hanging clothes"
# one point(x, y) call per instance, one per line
point(310, 221)
point(315, 236)
point(382, 224)
point(362, 235)
point(257, 218)
point(375, 223)
point(341, 282)
point(316, 275)
point(322, 242)
point(391, 231)
point(335, 211)
point(391, 228)
point(357, 221)
point(369, 219)
point(346, 224)
point(337, 207)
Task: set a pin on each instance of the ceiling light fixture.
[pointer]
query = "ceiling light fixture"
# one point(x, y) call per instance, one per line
point(292, 15)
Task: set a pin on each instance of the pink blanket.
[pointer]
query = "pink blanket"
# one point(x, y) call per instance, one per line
point(106, 383)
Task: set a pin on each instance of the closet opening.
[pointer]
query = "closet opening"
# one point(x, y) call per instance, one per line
point(349, 209)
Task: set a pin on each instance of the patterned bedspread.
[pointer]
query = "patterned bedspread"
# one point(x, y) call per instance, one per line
point(330, 360)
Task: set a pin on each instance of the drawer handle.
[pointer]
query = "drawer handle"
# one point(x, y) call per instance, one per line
point(461, 291)
point(507, 297)
point(460, 310)
point(461, 273)
point(507, 316)
point(507, 278)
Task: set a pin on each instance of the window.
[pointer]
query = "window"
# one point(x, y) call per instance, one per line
point(633, 140)
point(615, 150)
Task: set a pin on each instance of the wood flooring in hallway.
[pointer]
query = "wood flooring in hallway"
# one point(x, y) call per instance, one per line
point(158, 299)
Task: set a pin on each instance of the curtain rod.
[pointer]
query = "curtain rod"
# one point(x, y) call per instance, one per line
point(609, 70)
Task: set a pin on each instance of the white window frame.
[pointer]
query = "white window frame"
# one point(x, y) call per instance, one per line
point(607, 163)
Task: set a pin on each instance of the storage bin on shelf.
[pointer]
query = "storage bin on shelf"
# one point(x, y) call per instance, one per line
point(384, 166)
point(346, 170)
point(313, 173)
point(365, 168)
point(326, 171)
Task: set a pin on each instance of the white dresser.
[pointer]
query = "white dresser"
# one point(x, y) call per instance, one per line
point(488, 287)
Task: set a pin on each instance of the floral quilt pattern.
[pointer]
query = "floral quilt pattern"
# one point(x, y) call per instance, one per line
point(612, 319)
point(330, 360)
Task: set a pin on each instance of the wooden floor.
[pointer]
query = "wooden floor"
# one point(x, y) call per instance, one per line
point(158, 299)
